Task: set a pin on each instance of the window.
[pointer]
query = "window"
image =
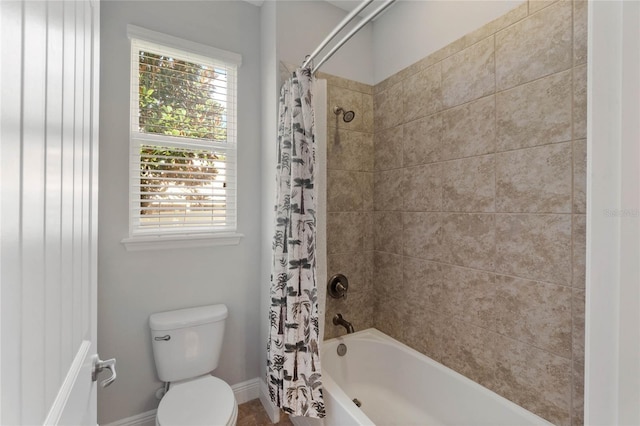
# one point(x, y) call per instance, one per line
point(182, 141)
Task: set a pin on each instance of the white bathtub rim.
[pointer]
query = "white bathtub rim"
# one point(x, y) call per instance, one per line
point(376, 335)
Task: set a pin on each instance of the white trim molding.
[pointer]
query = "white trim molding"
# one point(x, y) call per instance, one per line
point(244, 392)
point(182, 44)
point(272, 411)
point(612, 341)
point(147, 418)
point(64, 394)
point(320, 111)
point(162, 242)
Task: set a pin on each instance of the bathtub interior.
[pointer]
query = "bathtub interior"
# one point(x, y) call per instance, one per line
point(398, 385)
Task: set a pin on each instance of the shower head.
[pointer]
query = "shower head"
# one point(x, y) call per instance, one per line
point(347, 116)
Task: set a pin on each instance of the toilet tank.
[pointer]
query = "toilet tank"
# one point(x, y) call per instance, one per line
point(187, 342)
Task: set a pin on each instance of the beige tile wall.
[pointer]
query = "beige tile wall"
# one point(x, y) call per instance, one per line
point(479, 206)
point(350, 198)
point(457, 201)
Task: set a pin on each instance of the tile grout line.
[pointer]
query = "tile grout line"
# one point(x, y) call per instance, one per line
point(475, 269)
point(461, 319)
point(495, 148)
point(495, 93)
point(403, 193)
point(572, 371)
point(439, 145)
point(496, 152)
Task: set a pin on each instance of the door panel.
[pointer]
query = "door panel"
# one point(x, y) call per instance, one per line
point(48, 210)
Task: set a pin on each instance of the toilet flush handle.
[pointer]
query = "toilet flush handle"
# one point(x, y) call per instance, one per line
point(159, 338)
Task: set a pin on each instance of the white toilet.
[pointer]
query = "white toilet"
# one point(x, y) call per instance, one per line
point(186, 348)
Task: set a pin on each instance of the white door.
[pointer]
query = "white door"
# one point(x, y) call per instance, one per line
point(48, 211)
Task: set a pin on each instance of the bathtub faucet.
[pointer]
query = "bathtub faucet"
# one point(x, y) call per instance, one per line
point(338, 320)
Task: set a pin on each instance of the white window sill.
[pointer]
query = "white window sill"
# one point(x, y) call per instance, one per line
point(162, 242)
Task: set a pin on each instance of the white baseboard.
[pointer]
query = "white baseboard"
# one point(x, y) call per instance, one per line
point(247, 391)
point(144, 419)
point(272, 411)
point(244, 392)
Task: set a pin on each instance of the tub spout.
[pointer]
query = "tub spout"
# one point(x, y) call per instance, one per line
point(338, 320)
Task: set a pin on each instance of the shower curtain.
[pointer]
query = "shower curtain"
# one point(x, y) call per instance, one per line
point(293, 358)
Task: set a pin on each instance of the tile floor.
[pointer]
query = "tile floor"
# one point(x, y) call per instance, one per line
point(252, 414)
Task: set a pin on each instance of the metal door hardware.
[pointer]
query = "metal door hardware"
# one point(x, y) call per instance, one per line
point(99, 365)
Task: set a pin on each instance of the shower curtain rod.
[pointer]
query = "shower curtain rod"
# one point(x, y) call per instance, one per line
point(336, 30)
point(347, 37)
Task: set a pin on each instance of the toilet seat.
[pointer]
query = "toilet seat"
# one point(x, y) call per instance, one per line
point(204, 401)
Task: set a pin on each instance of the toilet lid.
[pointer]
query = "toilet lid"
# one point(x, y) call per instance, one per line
point(207, 401)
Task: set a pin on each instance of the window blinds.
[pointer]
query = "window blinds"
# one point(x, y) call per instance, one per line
point(183, 140)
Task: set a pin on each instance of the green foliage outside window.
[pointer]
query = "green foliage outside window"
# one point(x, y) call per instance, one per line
point(177, 98)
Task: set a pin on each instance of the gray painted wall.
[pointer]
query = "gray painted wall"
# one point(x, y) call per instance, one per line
point(133, 285)
point(302, 25)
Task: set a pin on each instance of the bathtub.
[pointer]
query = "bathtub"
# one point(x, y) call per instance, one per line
point(397, 385)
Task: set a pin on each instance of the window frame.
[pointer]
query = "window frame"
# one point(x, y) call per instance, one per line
point(179, 237)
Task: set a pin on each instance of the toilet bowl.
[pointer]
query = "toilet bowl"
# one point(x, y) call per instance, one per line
point(204, 401)
point(186, 349)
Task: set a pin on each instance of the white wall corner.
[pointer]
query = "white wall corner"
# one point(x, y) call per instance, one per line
point(272, 411)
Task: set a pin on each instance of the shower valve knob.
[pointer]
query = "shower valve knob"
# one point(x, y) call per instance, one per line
point(337, 286)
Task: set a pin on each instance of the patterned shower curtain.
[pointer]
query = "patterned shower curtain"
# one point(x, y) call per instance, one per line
point(293, 358)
